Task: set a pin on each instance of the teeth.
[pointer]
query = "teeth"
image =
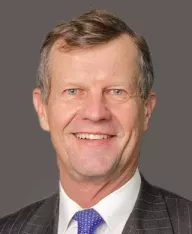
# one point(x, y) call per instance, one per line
point(91, 136)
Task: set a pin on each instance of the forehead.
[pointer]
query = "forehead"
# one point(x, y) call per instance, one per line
point(117, 57)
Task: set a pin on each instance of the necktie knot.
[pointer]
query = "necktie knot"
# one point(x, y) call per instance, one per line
point(88, 221)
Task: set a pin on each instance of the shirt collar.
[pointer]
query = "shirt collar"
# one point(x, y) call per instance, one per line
point(67, 209)
point(114, 208)
point(117, 206)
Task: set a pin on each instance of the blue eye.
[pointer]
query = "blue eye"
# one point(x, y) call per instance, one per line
point(117, 91)
point(117, 94)
point(72, 91)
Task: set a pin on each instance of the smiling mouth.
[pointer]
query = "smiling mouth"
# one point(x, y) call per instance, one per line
point(88, 136)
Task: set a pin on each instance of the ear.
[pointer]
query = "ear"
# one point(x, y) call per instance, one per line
point(149, 106)
point(41, 109)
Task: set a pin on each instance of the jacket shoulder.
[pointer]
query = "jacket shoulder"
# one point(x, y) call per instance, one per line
point(170, 195)
point(16, 220)
point(179, 210)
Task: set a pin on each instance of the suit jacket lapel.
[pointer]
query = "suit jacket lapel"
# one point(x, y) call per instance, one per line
point(53, 226)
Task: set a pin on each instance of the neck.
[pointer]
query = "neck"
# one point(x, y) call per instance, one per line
point(87, 193)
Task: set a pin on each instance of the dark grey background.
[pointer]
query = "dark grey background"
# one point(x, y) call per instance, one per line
point(28, 170)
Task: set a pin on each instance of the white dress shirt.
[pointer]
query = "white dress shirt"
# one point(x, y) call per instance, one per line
point(115, 208)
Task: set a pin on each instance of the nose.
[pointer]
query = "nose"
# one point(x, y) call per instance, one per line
point(95, 108)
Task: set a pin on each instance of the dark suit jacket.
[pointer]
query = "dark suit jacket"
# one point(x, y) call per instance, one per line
point(156, 211)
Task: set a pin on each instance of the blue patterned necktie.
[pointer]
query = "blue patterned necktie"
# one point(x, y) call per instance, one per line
point(88, 221)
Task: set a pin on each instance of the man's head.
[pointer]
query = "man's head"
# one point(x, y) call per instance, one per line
point(94, 95)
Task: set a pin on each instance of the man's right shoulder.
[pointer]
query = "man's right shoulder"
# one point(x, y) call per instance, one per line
point(15, 221)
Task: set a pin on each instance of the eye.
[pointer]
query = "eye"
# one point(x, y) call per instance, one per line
point(117, 94)
point(71, 91)
point(74, 93)
point(117, 91)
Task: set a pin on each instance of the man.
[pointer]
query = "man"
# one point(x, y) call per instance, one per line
point(94, 95)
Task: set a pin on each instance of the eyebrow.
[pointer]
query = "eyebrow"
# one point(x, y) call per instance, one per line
point(74, 84)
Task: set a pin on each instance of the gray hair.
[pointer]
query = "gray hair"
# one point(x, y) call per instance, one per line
point(90, 29)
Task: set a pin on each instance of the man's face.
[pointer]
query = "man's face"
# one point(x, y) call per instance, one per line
point(94, 113)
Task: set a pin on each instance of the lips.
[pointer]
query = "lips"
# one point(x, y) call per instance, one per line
point(94, 139)
point(92, 136)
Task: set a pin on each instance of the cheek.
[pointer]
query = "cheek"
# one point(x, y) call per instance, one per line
point(59, 115)
point(129, 118)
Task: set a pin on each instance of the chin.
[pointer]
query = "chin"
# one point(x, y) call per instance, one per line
point(93, 171)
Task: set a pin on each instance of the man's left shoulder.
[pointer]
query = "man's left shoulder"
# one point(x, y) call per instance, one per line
point(162, 193)
point(169, 196)
point(179, 208)
point(163, 210)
